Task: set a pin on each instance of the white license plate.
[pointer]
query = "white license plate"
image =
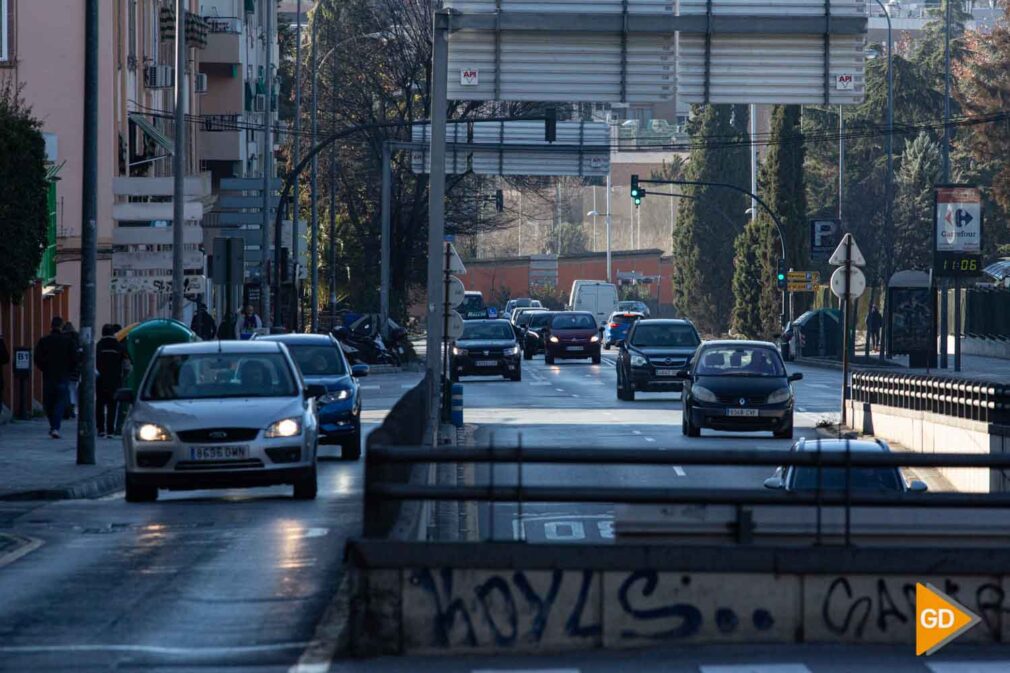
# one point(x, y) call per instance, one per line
point(742, 412)
point(574, 348)
point(218, 452)
point(666, 372)
point(487, 363)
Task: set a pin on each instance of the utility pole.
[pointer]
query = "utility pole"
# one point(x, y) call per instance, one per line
point(753, 162)
point(945, 149)
point(89, 238)
point(314, 234)
point(333, 201)
point(608, 222)
point(296, 210)
point(266, 6)
point(179, 161)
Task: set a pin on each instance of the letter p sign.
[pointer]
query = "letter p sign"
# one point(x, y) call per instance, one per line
point(939, 619)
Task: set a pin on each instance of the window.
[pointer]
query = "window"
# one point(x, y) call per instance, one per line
point(6, 31)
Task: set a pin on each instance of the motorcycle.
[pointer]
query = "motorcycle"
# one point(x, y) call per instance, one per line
point(363, 343)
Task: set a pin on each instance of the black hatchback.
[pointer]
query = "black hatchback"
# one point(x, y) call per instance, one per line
point(652, 355)
point(486, 348)
point(739, 386)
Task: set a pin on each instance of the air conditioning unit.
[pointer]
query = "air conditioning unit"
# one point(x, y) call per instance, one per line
point(260, 103)
point(159, 77)
point(201, 82)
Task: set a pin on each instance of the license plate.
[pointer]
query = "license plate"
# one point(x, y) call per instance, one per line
point(487, 363)
point(218, 452)
point(666, 372)
point(574, 348)
point(742, 412)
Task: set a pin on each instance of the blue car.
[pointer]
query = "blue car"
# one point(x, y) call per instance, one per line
point(617, 327)
point(322, 362)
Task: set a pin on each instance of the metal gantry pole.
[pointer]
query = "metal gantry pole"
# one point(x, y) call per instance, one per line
point(314, 224)
point(945, 156)
point(179, 161)
point(386, 242)
point(268, 169)
point(89, 237)
point(608, 229)
point(436, 215)
point(753, 161)
point(297, 143)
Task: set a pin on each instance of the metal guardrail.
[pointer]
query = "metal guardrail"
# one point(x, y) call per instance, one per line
point(381, 463)
point(972, 399)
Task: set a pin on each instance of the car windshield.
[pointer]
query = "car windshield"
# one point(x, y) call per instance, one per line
point(521, 302)
point(655, 335)
point(739, 361)
point(833, 479)
point(573, 321)
point(525, 317)
point(217, 375)
point(487, 330)
point(318, 359)
point(541, 319)
point(473, 302)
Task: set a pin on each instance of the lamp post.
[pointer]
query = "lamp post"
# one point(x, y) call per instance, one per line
point(889, 185)
point(594, 214)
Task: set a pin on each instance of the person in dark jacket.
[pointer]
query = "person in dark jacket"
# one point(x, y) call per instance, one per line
point(874, 321)
point(203, 323)
point(75, 374)
point(110, 355)
point(56, 357)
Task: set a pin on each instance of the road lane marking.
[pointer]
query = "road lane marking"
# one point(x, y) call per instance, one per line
point(650, 439)
point(406, 386)
point(369, 387)
point(679, 471)
point(525, 670)
point(636, 432)
point(574, 395)
point(540, 383)
point(800, 408)
point(560, 390)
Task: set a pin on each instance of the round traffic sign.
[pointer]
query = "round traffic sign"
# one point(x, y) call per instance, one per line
point(857, 282)
point(455, 329)
point(456, 292)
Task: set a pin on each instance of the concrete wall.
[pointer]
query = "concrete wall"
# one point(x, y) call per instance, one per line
point(423, 610)
point(924, 432)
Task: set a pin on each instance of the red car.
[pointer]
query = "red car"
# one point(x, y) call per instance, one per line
point(572, 335)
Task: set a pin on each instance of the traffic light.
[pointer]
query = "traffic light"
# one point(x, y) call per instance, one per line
point(636, 191)
point(780, 277)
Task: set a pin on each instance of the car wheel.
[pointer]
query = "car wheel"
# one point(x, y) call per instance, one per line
point(620, 385)
point(527, 353)
point(350, 447)
point(597, 359)
point(518, 375)
point(454, 376)
point(548, 358)
point(606, 346)
point(306, 487)
point(140, 493)
point(787, 431)
point(687, 426)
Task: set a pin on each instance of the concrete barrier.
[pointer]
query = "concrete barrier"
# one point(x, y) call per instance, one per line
point(518, 598)
point(926, 432)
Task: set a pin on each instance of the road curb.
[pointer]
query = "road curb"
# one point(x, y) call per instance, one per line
point(332, 635)
point(13, 547)
point(93, 487)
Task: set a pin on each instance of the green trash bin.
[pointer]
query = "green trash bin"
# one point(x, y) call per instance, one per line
point(144, 339)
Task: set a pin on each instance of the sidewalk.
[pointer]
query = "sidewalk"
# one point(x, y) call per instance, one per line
point(37, 467)
point(972, 366)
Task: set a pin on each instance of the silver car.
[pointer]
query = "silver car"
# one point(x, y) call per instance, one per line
point(220, 414)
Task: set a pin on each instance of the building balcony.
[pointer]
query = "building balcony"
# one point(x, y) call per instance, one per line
point(220, 140)
point(224, 43)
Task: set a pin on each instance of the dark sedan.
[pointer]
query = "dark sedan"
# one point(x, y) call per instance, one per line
point(653, 354)
point(739, 386)
point(486, 348)
point(857, 479)
point(322, 362)
point(532, 338)
point(572, 335)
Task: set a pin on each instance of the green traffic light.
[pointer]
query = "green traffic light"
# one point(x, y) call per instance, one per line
point(638, 201)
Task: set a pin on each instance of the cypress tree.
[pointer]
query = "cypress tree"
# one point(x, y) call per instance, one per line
point(709, 222)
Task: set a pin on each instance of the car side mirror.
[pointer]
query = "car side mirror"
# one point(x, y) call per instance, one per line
point(918, 486)
point(775, 483)
point(314, 390)
point(683, 374)
point(359, 371)
point(125, 395)
point(798, 376)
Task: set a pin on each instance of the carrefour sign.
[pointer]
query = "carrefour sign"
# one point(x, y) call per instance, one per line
point(958, 219)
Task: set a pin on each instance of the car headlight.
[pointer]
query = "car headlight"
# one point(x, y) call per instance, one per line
point(335, 396)
point(639, 361)
point(289, 427)
point(512, 351)
point(595, 338)
point(456, 350)
point(554, 339)
point(780, 395)
point(704, 394)
point(150, 432)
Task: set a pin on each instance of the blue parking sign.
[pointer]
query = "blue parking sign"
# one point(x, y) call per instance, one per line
point(492, 312)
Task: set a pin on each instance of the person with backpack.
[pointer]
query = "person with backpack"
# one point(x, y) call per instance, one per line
point(110, 357)
point(203, 324)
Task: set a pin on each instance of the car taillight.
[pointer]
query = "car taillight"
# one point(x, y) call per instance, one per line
point(613, 325)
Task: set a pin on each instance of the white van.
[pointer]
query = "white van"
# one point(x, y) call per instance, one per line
point(595, 296)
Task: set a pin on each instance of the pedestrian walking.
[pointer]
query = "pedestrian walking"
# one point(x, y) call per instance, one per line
point(249, 323)
point(110, 356)
point(226, 330)
point(56, 357)
point(203, 323)
point(75, 372)
point(874, 321)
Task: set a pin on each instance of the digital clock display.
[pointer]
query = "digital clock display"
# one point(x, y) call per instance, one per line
point(957, 264)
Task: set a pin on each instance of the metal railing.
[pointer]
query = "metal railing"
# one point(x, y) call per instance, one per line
point(382, 486)
point(224, 24)
point(972, 399)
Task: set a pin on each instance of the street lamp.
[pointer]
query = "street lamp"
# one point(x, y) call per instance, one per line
point(595, 213)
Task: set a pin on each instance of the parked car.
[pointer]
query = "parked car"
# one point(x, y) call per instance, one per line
point(860, 479)
point(321, 361)
point(738, 386)
point(532, 337)
point(617, 327)
point(486, 347)
point(652, 356)
point(634, 307)
point(594, 296)
point(220, 414)
point(572, 335)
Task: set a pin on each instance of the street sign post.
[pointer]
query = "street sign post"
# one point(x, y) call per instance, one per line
point(22, 371)
point(802, 281)
point(455, 291)
point(850, 282)
point(455, 326)
point(957, 251)
point(824, 235)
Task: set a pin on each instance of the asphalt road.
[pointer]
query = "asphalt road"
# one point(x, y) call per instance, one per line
point(574, 404)
point(202, 580)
